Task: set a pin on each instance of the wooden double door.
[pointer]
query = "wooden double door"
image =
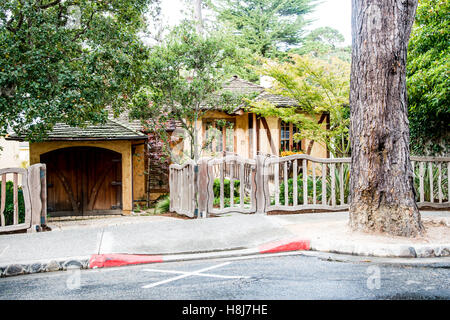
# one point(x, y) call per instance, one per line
point(83, 181)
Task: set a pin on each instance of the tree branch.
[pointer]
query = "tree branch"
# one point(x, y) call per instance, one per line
point(50, 4)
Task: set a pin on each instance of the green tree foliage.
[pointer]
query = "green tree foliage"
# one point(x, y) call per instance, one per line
point(318, 87)
point(9, 204)
point(64, 61)
point(184, 75)
point(264, 26)
point(324, 42)
point(428, 71)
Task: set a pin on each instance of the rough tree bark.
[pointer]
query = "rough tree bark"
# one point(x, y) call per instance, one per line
point(382, 190)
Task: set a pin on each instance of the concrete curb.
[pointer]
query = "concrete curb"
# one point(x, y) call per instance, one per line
point(116, 259)
point(284, 245)
point(62, 264)
point(382, 250)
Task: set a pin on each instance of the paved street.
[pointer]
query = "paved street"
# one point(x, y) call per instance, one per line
point(293, 276)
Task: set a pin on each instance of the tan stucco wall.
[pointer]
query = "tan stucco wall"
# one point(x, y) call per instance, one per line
point(240, 131)
point(139, 173)
point(14, 154)
point(319, 150)
point(264, 143)
point(121, 146)
point(243, 134)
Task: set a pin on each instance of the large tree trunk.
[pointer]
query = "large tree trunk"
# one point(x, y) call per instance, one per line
point(382, 194)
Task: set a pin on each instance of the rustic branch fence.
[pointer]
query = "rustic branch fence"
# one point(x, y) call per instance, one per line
point(293, 183)
point(34, 192)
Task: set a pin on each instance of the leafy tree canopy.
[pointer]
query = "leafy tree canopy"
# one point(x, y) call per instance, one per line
point(324, 42)
point(64, 61)
point(183, 76)
point(318, 87)
point(264, 26)
point(428, 74)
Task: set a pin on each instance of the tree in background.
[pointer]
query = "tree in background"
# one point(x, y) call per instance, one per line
point(64, 61)
point(264, 26)
point(428, 74)
point(381, 179)
point(324, 42)
point(319, 87)
point(183, 78)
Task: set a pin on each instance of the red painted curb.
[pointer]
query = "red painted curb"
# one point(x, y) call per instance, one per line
point(284, 245)
point(117, 260)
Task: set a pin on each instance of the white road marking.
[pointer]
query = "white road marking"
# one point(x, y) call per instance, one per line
point(106, 245)
point(188, 274)
point(4, 250)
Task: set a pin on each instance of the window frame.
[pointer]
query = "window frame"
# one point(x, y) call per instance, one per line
point(206, 121)
point(291, 144)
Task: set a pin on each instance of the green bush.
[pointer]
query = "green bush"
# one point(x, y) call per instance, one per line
point(346, 175)
point(300, 190)
point(226, 201)
point(9, 205)
point(163, 205)
point(226, 193)
point(426, 182)
point(226, 188)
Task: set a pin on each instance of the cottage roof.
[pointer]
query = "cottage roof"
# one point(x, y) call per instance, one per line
point(277, 99)
point(111, 130)
point(239, 86)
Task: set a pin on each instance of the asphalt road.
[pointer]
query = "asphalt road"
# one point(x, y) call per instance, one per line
point(288, 277)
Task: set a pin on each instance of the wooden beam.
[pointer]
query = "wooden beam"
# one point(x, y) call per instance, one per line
point(258, 125)
point(269, 136)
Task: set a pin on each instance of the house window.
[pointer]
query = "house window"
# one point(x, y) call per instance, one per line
point(218, 135)
point(287, 142)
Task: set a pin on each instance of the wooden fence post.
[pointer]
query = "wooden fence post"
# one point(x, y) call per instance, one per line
point(34, 184)
point(203, 188)
point(259, 177)
point(43, 176)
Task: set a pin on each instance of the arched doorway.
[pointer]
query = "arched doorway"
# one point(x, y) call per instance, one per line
point(83, 181)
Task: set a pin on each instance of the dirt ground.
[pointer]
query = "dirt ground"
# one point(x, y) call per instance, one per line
point(437, 232)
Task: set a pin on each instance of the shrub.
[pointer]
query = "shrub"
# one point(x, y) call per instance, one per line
point(300, 190)
point(346, 175)
point(226, 188)
point(9, 205)
point(426, 182)
point(163, 205)
point(226, 201)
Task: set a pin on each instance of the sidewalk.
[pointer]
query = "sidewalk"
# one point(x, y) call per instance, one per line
point(329, 232)
point(75, 244)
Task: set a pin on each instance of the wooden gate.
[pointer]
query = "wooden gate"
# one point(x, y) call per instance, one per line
point(231, 185)
point(182, 188)
point(83, 181)
point(222, 185)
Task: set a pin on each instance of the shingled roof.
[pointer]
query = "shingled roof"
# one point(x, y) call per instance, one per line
point(239, 86)
point(277, 99)
point(111, 130)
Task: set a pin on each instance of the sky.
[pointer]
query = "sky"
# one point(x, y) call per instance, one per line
point(336, 14)
point(328, 13)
